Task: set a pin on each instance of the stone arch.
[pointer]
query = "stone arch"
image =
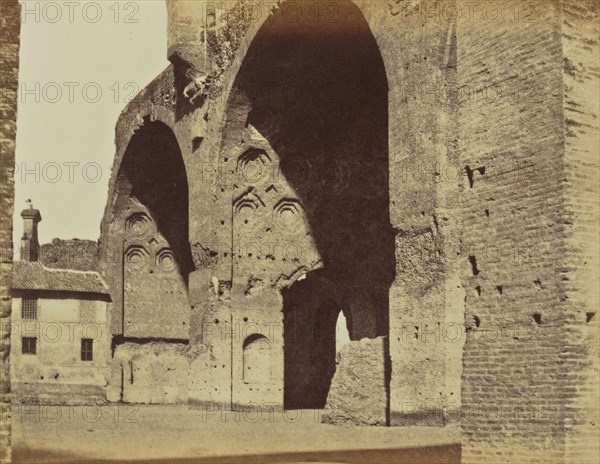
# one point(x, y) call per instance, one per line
point(326, 122)
point(152, 208)
point(138, 116)
point(153, 173)
point(256, 359)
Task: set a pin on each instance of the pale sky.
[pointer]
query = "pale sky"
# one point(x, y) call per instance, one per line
point(68, 55)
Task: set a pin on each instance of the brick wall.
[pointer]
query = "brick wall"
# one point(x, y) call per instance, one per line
point(9, 65)
point(580, 31)
point(70, 254)
point(526, 212)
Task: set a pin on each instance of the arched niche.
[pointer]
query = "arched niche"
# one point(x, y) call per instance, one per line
point(152, 208)
point(256, 359)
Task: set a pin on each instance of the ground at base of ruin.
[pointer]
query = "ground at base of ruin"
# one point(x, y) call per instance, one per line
point(179, 434)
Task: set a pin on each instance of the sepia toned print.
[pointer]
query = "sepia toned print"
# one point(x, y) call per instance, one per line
point(321, 231)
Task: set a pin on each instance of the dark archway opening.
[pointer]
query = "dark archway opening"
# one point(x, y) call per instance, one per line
point(317, 91)
point(311, 311)
point(153, 210)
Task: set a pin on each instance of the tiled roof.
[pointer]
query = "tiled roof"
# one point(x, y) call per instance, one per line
point(34, 276)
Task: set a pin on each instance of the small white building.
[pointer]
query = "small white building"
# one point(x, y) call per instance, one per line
point(59, 333)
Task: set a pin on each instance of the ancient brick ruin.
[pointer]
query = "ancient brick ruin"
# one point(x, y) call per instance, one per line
point(282, 171)
point(431, 177)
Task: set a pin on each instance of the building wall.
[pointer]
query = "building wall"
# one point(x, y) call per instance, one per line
point(522, 213)
point(10, 24)
point(56, 372)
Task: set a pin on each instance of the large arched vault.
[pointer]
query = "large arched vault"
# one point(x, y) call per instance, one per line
point(303, 144)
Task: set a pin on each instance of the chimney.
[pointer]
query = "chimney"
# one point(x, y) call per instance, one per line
point(30, 247)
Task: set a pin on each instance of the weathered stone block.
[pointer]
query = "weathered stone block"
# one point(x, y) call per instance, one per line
point(358, 393)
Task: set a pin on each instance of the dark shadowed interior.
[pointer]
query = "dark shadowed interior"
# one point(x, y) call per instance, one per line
point(317, 91)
